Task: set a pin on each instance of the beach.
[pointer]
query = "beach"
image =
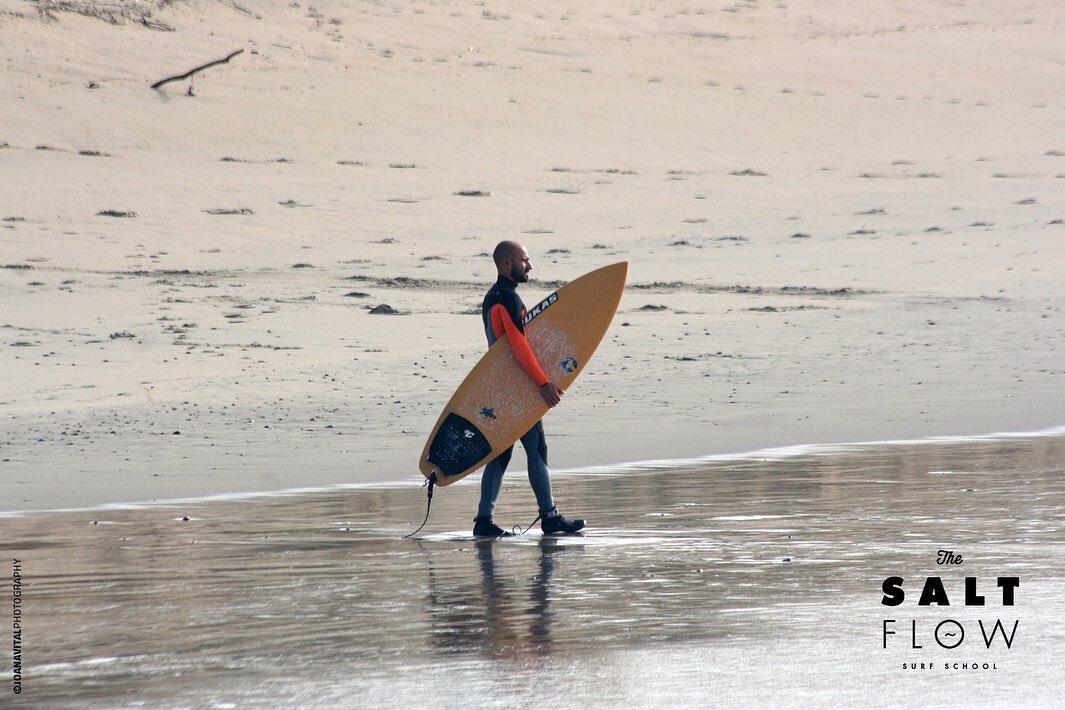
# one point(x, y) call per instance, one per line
point(244, 297)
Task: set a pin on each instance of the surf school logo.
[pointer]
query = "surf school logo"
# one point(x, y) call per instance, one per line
point(938, 640)
point(540, 308)
point(568, 364)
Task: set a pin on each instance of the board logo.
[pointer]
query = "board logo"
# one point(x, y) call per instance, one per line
point(488, 413)
point(540, 308)
point(569, 364)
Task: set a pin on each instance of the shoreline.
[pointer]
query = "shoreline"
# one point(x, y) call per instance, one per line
point(782, 453)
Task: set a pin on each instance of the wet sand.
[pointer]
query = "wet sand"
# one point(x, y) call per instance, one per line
point(751, 581)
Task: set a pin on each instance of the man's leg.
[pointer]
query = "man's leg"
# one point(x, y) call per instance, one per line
point(535, 444)
point(492, 483)
point(552, 521)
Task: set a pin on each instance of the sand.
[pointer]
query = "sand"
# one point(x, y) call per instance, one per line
point(754, 583)
point(844, 224)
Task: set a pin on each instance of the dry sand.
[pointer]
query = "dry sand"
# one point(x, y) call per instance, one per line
point(852, 216)
point(844, 223)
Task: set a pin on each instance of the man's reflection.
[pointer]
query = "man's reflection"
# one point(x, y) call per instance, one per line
point(509, 612)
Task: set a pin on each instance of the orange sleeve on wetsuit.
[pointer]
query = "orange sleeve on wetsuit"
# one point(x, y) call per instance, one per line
point(502, 324)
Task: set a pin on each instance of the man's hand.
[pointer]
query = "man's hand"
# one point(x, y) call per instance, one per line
point(552, 393)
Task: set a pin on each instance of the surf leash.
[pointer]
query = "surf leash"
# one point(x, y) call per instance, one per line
point(428, 506)
point(517, 528)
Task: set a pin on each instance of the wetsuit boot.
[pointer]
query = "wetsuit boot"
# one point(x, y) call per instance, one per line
point(554, 523)
point(484, 527)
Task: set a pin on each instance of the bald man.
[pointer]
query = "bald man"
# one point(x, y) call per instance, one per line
point(503, 313)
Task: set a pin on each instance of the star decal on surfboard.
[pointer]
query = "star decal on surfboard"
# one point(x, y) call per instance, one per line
point(488, 413)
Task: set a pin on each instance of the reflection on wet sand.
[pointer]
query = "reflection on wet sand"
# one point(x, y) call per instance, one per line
point(501, 612)
point(755, 580)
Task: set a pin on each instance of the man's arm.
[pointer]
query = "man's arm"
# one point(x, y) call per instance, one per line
point(519, 345)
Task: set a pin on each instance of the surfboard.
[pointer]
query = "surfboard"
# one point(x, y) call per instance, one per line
point(498, 402)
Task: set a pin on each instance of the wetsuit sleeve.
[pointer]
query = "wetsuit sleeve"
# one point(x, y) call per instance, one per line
point(502, 324)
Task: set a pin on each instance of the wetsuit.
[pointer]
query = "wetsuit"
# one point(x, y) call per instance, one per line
point(503, 313)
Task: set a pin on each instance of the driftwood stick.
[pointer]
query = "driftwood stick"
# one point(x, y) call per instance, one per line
point(200, 68)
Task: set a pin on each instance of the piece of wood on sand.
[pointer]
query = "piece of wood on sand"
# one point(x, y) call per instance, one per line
point(200, 68)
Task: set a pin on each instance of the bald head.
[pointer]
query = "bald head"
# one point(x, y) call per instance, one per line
point(512, 261)
point(506, 250)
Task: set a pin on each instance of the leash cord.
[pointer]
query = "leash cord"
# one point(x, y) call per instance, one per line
point(517, 528)
point(428, 506)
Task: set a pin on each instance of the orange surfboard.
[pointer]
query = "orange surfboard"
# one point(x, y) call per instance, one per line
point(498, 402)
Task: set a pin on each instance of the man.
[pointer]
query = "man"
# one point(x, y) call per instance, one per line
point(503, 313)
